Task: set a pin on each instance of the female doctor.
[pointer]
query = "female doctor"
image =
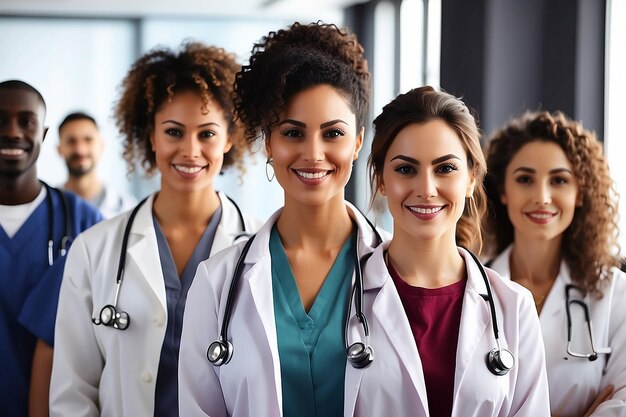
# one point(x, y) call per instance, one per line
point(432, 308)
point(553, 226)
point(125, 284)
point(282, 354)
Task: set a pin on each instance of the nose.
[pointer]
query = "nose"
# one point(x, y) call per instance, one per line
point(425, 186)
point(314, 150)
point(190, 147)
point(543, 195)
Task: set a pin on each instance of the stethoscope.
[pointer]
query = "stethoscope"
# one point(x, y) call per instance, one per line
point(568, 304)
point(360, 354)
point(66, 240)
point(109, 315)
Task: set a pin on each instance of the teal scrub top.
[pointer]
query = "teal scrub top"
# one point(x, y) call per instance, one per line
point(311, 346)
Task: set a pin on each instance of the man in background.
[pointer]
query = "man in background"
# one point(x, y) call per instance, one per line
point(37, 226)
point(81, 146)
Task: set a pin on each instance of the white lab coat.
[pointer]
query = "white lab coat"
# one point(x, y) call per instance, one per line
point(575, 382)
point(99, 370)
point(394, 384)
point(250, 384)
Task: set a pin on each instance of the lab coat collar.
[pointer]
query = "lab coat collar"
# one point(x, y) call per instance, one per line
point(225, 234)
point(367, 239)
point(142, 248)
point(388, 309)
point(553, 303)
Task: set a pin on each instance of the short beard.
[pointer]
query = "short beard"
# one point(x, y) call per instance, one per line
point(79, 171)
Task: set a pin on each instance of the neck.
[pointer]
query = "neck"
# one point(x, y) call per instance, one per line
point(426, 263)
point(87, 186)
point(317, 227)
point(535, 261)
point(19, 190)
point(191, 209)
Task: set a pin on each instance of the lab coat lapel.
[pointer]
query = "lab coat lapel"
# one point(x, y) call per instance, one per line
point(475, 319)
point(144, 252)
point(390, 316)
point(259, 279)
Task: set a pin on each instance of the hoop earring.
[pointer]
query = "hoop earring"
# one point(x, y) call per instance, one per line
point(269, 162)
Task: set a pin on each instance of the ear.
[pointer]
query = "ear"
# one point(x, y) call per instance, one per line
point(359, 144)
point(504, 199)
point(45, 130)
point(152, 140)
point(228, 145)
point(579, 199)
point(381, 188)
point(268, 148)
point(470, 186)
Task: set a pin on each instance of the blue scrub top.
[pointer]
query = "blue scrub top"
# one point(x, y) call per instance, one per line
point(311, 346)
point(29, 293)
point(176, 288)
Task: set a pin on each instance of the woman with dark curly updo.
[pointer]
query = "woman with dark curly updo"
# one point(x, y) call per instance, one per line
point(305, 95)
point(552, 225)
point(177, 117)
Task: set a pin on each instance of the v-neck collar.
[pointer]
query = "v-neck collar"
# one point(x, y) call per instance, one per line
point(282, 269)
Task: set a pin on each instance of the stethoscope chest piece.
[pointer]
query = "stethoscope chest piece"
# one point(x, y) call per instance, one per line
point(111, 318)
point(500, 361)
point(360, 355)
point(220, 352)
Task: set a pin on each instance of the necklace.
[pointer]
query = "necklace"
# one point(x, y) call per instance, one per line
point(540, 300)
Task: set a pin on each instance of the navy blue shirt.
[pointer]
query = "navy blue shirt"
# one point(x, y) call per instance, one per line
point(29, 292)
point(176, 288)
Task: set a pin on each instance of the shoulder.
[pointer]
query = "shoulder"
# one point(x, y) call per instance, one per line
point(83, 213)
point(106, 230)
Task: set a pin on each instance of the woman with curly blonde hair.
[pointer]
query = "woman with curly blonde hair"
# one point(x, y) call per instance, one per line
point(176, 117)
point(273, 312)
point(552, 227)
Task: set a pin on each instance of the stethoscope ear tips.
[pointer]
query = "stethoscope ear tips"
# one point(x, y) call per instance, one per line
point(219, 352)
point(500, 361)
point(360, 356)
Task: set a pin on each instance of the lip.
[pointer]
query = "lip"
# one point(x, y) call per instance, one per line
point(188, 171)
point(425, 211)
point(540, 216)
point(312, 176)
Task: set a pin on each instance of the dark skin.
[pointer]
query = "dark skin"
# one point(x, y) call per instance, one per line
point(22, 132)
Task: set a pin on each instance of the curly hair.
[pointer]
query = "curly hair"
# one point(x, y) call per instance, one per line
point(422, 105)
point(291, 60)
point(156, 77)
point(589, 241)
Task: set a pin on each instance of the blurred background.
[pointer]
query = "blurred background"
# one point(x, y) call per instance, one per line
point(502, 56)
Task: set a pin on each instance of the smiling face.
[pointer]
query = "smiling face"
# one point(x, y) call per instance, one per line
point(21, 132)
point(540, 191)
point(313, 146)
point(189, 143)
point(81, 146)
point(426, 180)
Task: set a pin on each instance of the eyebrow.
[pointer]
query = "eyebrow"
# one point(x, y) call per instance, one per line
point(433, 162)
point(301, 124)
point(534, 171)
point(180, 124)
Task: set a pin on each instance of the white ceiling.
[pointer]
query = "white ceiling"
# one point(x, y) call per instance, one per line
point(311, 9)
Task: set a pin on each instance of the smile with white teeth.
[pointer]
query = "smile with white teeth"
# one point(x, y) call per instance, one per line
point(188, 170)
point(540, 216)
point(312, 175)
point(11, 151)
point(422, 210)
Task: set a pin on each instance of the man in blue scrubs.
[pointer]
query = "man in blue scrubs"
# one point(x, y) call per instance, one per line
point(34, 238)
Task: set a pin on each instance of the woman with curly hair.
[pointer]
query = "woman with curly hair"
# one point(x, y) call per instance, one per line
point(454, 339)
point(272, 312)
point(125, 283)
point(552, 227)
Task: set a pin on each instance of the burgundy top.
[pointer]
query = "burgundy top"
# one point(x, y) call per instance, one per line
point(434, 316)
